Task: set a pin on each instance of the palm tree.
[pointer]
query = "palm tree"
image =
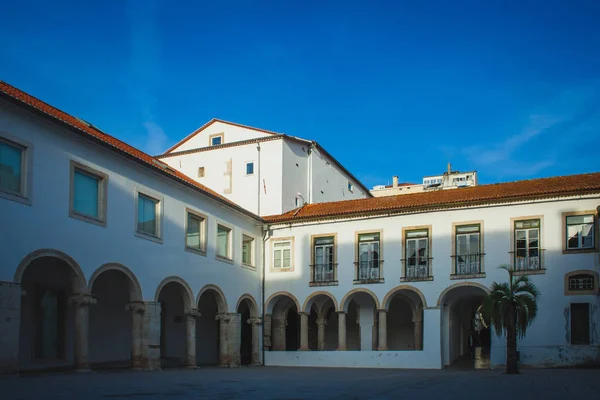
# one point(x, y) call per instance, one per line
point(511, 307)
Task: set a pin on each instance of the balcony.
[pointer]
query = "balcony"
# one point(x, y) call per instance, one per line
point(528, 265)
point(468, 266)
point(369, 272)
point(323, 274)
point(417, 269)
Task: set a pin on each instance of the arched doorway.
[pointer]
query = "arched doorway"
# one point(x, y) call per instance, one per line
point(404, 319)
point(211, 301)
point(111, 324)
point(322, 321)
point(283, 309)
point(465, 342)
point(174, 296)
point(248, 311)
point(47, 333)
point(361, 306)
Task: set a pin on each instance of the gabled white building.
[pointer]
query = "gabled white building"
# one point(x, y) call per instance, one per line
point(265, 172)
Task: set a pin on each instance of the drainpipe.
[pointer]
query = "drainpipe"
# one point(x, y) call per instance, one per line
point(258, 185)
point(309, 163)
point(266, 229)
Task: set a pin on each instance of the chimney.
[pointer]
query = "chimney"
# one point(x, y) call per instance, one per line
point(395, 181)
point(449, 168)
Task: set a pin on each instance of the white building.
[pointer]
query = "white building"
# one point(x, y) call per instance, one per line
point(448, 180)
point(112, 257)
point(265, 172)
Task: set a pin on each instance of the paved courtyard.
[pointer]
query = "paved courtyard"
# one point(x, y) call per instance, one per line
point(305, 383)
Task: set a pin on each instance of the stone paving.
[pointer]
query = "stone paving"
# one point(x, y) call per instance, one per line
point(306, 383)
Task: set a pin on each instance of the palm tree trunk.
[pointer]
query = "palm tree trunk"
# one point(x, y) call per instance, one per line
point(512, 363)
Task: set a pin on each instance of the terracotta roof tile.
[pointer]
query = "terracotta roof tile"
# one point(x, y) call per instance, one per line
point(558, 186)
point(112, 142)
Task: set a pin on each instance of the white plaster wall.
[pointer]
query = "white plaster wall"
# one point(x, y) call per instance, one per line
point(545, 336)
point(232, 133)
point(46, 223)
point(295, 173)
point(329, 182)
point(244, 188)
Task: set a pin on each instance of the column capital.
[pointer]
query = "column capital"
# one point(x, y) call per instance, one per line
point(382, 310)
point(82, 300)
point(225, 317)
point(417, 319)
point(321, 322)
point(303, 313)
point(341, 312)
point(136, 307)
point(254, 321)
point(192, 313)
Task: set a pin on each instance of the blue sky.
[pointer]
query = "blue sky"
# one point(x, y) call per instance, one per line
point(510, 89)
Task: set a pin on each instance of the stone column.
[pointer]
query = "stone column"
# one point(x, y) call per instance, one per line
point(234, 339)
point(255, 322)
point(267, 332)
point(190, 337)
point(418, 321)
point(303, 332)
point(382, 331)
point(278, 338)
point(341, 330)
point(151, 326)
point(137, 309)
point(81, 302)
point(223, 319)
point(321, 323)
point(10, 325)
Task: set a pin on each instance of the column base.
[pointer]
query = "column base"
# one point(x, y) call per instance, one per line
point(256, 363)
point(304, 349)
point(341, 349)
point(192, 367)
point(83, 370)
point(382, 349)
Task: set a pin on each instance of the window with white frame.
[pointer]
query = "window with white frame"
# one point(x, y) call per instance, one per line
point(323, 256)
point(88, 194)
point(580, 232)
point(148, 214)
point(527, 245)
point(250, 168)
point(417, 254)
point(223, 242)
point(248, 250)
point(368, 256)
point(468, 249)
point(12, 166)
point(282, 254)
point(195, 232)
point(350, 186)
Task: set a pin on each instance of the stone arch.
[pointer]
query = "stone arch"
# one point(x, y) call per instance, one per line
point(136, 289)
point(270, 303)
point(253, 309)
point(309, 300)
point(219, 298)
point(440, 300)
point(593, 274)
point(188, 299)
point(79, 283)
point(344, 303)
point(388, 297)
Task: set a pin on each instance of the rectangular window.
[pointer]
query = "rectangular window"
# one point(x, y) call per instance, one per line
point(350, 186)
point(580, 232)
point(200, 172)
point(247, 250)
point(527, 245)
point(216, 140)
point(223, 242)
point(282, 254)
point(468, 249)
point(417, 254)
point(147, 215)
point(194, 235)
point(323, 259)
point(368, 256)
point(580, 323)
point(12, 177)
point(88, 194)
point(250, 168)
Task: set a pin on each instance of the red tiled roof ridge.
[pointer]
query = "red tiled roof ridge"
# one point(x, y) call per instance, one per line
point(502, 191)
point(209, 123)
point(115, 143)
